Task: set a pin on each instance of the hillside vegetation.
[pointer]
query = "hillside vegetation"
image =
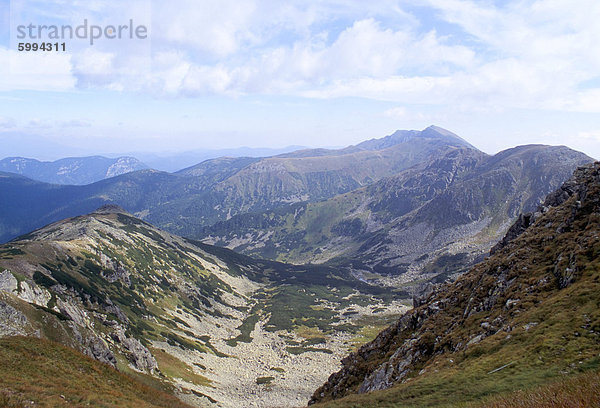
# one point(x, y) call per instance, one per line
point(211, 324)
point(526, 316)
point(432, 221)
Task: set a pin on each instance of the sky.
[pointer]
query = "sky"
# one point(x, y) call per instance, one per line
point(212, 74)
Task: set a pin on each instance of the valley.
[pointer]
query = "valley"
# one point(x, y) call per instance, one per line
point(285, 204)
point(216, 325)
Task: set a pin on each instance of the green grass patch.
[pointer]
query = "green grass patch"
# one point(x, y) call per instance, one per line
point(172, 367)
point(300, 350)
point(264, 380)
point(245, 328)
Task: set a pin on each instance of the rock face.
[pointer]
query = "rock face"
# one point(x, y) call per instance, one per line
point(137, 354)
point(548, 260)
point(570, 188)
point(8, 282)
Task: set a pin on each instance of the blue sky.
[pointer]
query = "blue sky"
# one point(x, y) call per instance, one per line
point(230, 73)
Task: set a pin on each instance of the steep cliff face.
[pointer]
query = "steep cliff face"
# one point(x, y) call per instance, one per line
point(530, 311)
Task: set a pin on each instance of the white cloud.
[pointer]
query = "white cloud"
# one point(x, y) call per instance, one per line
point(93, 62)
point(217, 27)
point(364, 50)
point(35, 71)
point(517, 55)
point(414, 115)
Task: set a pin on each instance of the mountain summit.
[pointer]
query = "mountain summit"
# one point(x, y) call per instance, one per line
point(403, 136)
point(218, 189)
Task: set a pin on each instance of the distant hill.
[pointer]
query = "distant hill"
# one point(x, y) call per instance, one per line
point(173, 162)
point(403, 136)
point(526, 316)
point(72, 170)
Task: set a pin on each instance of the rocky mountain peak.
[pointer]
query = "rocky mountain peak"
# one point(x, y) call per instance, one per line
point(406, 136)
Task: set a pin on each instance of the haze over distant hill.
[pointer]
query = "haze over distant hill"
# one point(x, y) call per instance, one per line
point(172, 162)
point(71, 170)
point(218, 189)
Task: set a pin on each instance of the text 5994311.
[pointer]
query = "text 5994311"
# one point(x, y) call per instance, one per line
point(45, 46)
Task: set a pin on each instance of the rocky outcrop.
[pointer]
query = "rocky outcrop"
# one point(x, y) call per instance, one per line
point(521, 224)
point(32, 293)
point(92, 346)
point(12, 321)
point(137, 354)
point(27, 291)
point(114, 270)
point(570, 188)
point(8, 282)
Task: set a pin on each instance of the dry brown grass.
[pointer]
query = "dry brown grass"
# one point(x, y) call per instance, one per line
point(582, 391)
point(42, 373)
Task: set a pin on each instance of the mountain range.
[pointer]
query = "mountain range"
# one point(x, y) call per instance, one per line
point(215, 327)
point(411, 207)
point(389, 209)
point(72, 170)
point(433, 219)
point(217, 189)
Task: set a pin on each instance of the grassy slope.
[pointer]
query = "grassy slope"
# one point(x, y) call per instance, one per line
point(580, 391)
point(50, 375)
point(564, 340)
